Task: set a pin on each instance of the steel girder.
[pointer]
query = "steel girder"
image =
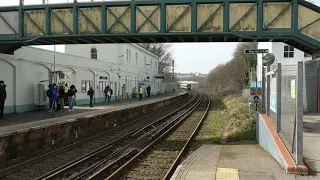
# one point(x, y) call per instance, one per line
point(295, 22)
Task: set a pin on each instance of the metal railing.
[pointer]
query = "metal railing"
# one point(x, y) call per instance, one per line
point(283, 99)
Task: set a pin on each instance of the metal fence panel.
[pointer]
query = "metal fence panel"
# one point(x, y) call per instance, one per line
point(310, 87)
point(288, 101)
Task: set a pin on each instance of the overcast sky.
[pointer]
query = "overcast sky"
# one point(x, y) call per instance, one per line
point(190, 57)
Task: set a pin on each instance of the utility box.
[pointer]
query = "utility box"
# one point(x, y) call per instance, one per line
point(42, 97)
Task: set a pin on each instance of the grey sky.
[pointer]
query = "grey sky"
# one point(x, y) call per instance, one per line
point(190, 57)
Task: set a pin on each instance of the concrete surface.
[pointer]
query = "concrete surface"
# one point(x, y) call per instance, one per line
point(252, 162)
point(19, 118)
point(311, 145)
point(15, 122)
point(197, 166)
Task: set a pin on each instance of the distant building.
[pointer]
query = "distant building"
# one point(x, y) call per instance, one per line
point(190, 75)
point(284, 54)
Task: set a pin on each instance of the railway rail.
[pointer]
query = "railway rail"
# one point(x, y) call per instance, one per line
point(159, 159)
point(77, 160)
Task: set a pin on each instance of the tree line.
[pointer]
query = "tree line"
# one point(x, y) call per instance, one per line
point(234, 75)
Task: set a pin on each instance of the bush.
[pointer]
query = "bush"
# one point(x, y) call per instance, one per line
point(239, 121)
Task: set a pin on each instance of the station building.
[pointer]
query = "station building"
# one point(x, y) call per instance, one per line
point(124, 67)
point(289, 56)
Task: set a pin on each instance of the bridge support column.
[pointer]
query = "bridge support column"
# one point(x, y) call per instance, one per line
point(268, 91)
point(279, 89)
point(299, 115)
point(264, 90)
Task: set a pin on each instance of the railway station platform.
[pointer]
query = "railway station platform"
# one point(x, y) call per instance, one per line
point(250, 161)
point(230, 162)
point(22, 134)
point(23, 121)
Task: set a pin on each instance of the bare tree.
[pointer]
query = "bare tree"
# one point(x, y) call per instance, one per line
point(164, 51)
point(233, 76)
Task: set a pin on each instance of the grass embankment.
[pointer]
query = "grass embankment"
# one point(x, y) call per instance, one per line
point(229, 120)
point(238, 119)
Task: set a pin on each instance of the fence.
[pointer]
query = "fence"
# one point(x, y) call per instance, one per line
point(283, 99)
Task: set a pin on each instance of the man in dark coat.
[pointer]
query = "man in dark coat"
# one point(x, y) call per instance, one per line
point(148, 90)
point(3, 97)
point(90, 93)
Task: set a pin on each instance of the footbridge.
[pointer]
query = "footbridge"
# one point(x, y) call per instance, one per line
point(295, 22)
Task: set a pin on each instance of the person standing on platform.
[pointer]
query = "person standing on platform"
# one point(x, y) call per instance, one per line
point(3, 97)
point(107, 94)
point(148, 90)
point(52, 97)
point(90, 93)
point(72, 95)
point(66, 89)
point(62, 98)
point(111, 93)
point(140, 92)
point(58, 99)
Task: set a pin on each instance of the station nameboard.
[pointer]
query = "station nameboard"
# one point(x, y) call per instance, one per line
point(256, 51)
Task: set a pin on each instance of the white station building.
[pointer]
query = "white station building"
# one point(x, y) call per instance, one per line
point(124, 67)
point(289, 57)
point(284, 54)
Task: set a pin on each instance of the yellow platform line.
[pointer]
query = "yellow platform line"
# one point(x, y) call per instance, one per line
point(227, 174)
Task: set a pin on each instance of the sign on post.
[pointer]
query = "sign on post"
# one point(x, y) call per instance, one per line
point(253, 91)
point(256, 99)
point(259, 91)
point(256, 51)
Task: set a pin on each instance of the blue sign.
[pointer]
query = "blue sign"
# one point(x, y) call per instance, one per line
point(256, 99)
point(273, 103)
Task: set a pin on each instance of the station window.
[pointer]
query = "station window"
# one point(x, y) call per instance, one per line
point(94, 53)
point(288, 51)
point(156, 64)
point(145, 61)
point(102, 85)
point(151, 63)
point(85, 85)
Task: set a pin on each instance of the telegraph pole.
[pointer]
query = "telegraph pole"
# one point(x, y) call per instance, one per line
point(54, 64)
point(173, 70)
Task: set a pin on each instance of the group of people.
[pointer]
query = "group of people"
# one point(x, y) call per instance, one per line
point(59, 96)
point(141, 92)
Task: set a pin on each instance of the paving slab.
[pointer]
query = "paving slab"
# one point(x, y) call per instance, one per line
point(311, 144)
point(252, 162)
point(201, 164)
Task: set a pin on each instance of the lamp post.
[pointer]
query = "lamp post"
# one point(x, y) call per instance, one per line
point(54, 64)
point(173, 70)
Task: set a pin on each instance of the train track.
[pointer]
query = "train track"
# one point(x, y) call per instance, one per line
point(63, 165)
point(159, 159)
